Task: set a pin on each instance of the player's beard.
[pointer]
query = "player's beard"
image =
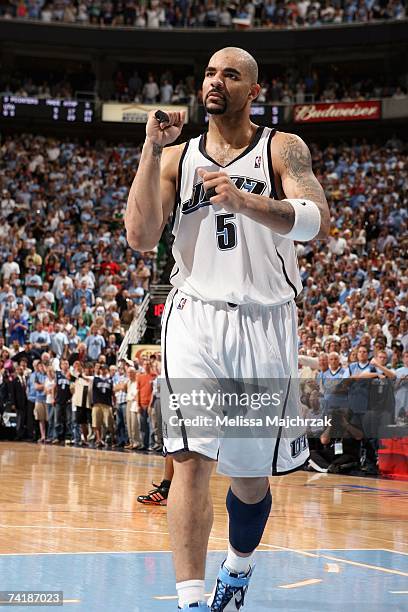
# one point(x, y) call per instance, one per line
point(218, 110)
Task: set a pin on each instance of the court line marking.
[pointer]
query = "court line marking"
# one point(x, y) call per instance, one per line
point(378, 539)
point(390, 550)
point(274, 548)
point(378, 568)
point(368, 537)
point(302, 583)
point(397, 552)
point(145, 552)
point(399, 592)
point(111, 529)
point(68, 527)
point(72, 528)
point(271, 546)
point(375, 489)
point(338, 559)
point(100, 552)
point(173, 597)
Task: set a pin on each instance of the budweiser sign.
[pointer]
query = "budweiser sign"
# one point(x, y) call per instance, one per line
point(337, 111)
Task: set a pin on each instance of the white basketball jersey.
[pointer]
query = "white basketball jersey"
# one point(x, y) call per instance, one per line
point(222, 256)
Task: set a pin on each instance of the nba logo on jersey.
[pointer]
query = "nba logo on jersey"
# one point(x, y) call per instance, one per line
point(258, 160)
point(182, 303)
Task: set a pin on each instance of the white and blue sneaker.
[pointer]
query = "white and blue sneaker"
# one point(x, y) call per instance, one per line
point(199, 606)
point(230, 590)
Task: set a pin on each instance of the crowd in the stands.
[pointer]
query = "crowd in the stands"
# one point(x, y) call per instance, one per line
point(205, 14)
point(70, 285)
point(129, 84)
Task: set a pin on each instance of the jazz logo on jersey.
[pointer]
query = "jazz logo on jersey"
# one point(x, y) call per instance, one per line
point(182, 303)
point(258, 160)
point(299, 445)
point(198, 198)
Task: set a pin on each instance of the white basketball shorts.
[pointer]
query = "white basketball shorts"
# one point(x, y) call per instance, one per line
point(208, 344)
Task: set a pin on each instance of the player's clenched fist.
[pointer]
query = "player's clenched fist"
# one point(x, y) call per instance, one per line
point(166, 132)
point(222, 191)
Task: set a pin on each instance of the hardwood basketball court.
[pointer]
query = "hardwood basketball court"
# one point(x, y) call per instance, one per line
point(69, 521)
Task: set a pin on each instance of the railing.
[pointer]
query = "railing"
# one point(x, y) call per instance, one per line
point(238, 26)
point(160, 292)
point(86, 95)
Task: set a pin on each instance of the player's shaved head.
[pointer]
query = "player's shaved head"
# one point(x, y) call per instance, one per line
point(231, 82)
point(235, 57)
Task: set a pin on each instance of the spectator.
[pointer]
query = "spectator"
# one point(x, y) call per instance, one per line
point(340, 445)
point(40, 338)
point(18, 398)
point(132, 411)
point(334, 392)
point(18, 327)
point(9, 266)
point(150, 91)
point(381, 403)
point(81, 389)
point(84, 292)
point(33, 282)
point(155, 416)
point(49, 390)
point(102, 403)
point(142, 275)
point(59, 342)
point(61, 283)
point(401, 393)
point(82, 310)
point(63, 407)
point(40, 407)
point(166, 92)
point(80, 355)
point(145, 386)
point(120, 384)
point(95, 343)
point(31, 399)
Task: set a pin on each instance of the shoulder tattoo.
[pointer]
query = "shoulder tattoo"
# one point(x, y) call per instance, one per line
point(296, 157)
point(298, 164)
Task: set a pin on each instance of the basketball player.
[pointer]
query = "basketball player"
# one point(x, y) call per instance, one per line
point(241, 195)
point(158, 496)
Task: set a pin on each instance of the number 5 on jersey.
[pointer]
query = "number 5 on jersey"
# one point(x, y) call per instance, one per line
point(226, 231)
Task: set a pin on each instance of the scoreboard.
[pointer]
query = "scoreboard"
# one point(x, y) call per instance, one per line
point(154, 318)
point(49, 109)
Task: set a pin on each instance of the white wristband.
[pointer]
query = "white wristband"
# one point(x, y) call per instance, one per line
point(307, 220)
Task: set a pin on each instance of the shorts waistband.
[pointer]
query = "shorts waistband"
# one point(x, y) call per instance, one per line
point(225, 303)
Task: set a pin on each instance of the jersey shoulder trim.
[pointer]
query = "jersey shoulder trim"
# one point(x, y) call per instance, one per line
point(274, 193)
point(177, 199)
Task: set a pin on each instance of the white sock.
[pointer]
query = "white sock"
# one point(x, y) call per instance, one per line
point(237, 564)
point(190, 592)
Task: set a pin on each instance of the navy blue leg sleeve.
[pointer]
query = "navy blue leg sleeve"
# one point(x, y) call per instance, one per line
point(247, 521)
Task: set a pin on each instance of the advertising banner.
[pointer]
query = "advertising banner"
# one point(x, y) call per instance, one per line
point(133, 112)
point(337, 111)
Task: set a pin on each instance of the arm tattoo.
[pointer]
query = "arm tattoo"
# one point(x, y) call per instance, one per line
point(298, 163)
point(282, 212)
point(157, 151)
point(296, 158)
